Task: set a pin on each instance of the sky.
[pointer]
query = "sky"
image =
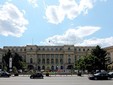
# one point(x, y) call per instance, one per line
point(56, 22)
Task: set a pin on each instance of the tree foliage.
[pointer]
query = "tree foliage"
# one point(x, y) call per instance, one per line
point(94, 61)
point(17, 60)
point(5, 60)
point(100, 58)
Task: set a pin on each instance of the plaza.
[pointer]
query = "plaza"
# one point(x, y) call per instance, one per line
point(54, 80)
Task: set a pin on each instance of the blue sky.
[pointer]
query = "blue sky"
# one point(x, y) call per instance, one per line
point(56, 22)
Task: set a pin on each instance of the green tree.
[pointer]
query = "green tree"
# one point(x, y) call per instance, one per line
point(15, 70)
point(94, 61)
point(89, 61)
point(5, 59)
point(100, 58)
point(17, 60)
point(80, 64)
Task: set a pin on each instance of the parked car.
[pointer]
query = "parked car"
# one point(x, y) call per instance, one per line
point(111, 74)
point(100, 76)
point(37, 76)
point(4, 74)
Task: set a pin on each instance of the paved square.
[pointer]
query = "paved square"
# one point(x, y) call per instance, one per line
point(53, 80)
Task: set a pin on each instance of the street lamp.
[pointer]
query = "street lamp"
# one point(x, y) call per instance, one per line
point(10, 63)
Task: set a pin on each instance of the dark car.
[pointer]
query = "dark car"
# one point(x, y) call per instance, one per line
point(37, 76)
point(100, 76)
point(4, 74)
point(111, 74)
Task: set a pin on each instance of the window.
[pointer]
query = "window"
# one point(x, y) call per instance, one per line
point(56, 61)
point(61, 67)
point(43, 49)
point(39, 61)
point(60, 49)
point(69, 60)
point(69, 48)
point(24, 49)
point(75, 49)
point(43, 61)
point(79, 49)
point(83, 49)
point(52, 68)
point(56, 67)
point(47, 61)
point(43, 67)
point(56, 49)
point(31, 49)
point(20, 49)
point(38, 48)
point(52, 61)
point(61, 55)
point(31, 60)
point(52, 56)
point(51, 49)
point(61, 61)
point(75, 57)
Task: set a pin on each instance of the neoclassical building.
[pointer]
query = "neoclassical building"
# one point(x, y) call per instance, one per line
point(110, 53)
point(52, 57)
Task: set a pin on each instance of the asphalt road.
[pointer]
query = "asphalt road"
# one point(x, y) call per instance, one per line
point(53, 80)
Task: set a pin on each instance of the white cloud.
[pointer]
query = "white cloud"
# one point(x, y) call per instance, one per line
point(34, 3)
point(72, 36)
point(77, 37)
point(12, 21)
point(67, 8)
point(104, 42)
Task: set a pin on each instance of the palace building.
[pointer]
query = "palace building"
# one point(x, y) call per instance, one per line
point(52, 57)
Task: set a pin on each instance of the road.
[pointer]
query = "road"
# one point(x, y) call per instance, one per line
point(53, 80)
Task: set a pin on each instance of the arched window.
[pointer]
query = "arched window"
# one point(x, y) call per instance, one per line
point(43, 67)
point(52, 68)
point(69, 48)
point(56, 67)
point(61, 61)
point(39, 68)
point(61, 67)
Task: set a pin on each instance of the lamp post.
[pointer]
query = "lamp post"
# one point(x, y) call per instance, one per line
point(10, 64)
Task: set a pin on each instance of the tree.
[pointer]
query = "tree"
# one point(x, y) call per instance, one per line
point(100, 58)
point(15, 70)
point(17, 60)
point(95, 61)
point(80, 64)
point(5, 59)
point(89, 61)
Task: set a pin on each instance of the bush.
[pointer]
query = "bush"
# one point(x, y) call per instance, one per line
point(47, 74)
